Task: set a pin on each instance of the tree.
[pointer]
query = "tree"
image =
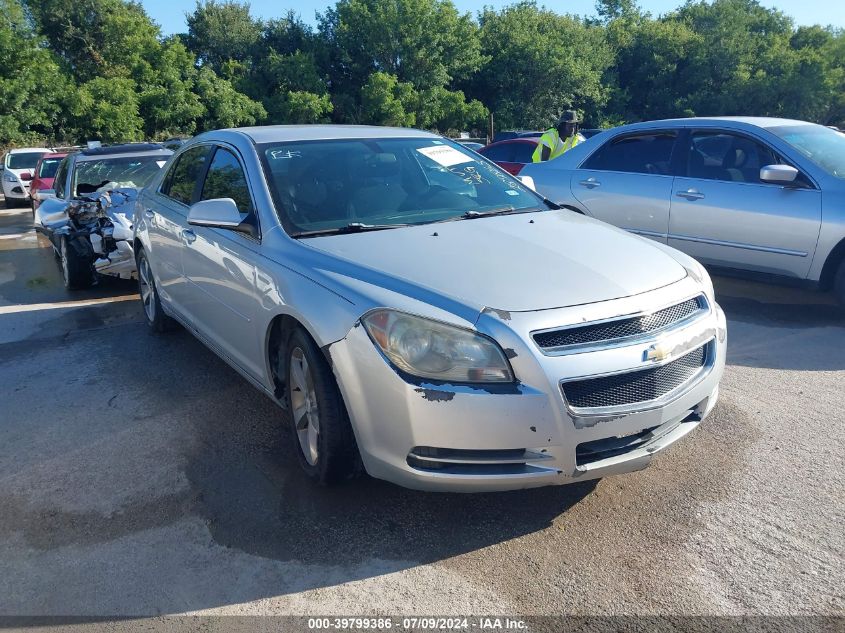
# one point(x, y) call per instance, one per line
point(224, 106)
point(387, 101)
point(27, 114)
point(541, 64)
point(107, 110)
point(96, 38)
point(220, 31)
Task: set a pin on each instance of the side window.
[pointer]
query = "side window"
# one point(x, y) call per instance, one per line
point(728, 157)
point(180, 182)
point(501, 153)
point(226, 179)
point(61, 179)
point(523, 152)
point(649, 153)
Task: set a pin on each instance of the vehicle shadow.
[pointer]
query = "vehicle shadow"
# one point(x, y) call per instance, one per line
point(778, 327)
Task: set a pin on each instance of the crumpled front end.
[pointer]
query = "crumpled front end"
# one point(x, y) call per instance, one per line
point(99, 229)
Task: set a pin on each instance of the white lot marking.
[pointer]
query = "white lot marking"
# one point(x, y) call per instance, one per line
point(33, 307)
point(17, 236)
point(9, 212)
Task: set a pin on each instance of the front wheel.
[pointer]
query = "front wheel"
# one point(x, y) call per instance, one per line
point(76, 271)
point(324, 441)
point(157, 320)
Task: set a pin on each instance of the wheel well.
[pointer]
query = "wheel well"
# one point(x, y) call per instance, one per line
point(280, 328)
point(831, 265)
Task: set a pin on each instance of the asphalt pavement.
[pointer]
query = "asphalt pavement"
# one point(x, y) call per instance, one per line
point(140, 475)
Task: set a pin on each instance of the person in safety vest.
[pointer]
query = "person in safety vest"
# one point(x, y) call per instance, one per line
point(559, 139)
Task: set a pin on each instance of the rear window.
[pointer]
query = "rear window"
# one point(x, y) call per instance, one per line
point(641, 154)
point(116, 171)
point(48, 167)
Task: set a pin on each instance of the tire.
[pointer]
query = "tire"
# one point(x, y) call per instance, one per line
point(76, 272)
point(156, 319)
point(839, 283)
point(322, 434)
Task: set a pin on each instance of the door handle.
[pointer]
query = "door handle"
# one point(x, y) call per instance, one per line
point(690, 194)
point(189, 236)
point(149, 213)
point(590, 183)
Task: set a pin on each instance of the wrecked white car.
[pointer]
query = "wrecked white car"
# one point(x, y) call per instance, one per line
point(89, 221)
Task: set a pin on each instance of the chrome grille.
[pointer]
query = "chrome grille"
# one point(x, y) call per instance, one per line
point(619, 328)
point(636, 386)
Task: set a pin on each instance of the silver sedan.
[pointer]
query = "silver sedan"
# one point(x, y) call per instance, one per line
point(762, 196)
point(421, 313)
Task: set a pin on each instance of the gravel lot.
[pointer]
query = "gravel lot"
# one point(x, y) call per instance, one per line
point(140, 475)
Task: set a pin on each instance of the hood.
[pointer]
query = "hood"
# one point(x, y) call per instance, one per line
point(521, 262)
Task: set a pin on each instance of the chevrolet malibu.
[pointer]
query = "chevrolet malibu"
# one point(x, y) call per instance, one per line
point(423, 314)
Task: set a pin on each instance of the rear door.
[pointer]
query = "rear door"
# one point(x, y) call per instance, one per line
point(628, 182)
point(166, 216)
point(724, 215)
point(220, 267)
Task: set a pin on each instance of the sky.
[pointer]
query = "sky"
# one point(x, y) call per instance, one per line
point(170, 14)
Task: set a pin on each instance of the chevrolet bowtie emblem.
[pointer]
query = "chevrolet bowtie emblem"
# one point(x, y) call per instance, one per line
point(656, 352)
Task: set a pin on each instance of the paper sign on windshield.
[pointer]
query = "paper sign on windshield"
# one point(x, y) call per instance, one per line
point(445, 155)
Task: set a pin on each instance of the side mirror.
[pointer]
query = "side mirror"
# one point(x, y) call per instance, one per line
point(221, 213)
point(778, 174)
point(528, 181)
point(26, 176)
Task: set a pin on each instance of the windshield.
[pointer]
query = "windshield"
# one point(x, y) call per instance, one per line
point(116, 171)
point(48, 167)
point(23, 160)
point(325, 186)
point(823, 146)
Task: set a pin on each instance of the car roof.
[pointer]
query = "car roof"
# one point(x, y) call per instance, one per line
point(54, 155)
point(716, 121)
point(277, 133)
point(529, 140)
point(26, 150)
point(129, 150)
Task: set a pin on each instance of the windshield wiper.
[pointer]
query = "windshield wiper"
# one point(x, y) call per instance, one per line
point(352, 227)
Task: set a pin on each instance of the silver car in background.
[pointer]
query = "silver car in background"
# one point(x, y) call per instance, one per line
point(419, 311)
point(759, 195)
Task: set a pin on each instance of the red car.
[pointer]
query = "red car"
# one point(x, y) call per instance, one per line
point(43, 175)
point(512, 154)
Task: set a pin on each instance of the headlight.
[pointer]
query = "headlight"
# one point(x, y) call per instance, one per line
point(430, 349)
point(10, 177)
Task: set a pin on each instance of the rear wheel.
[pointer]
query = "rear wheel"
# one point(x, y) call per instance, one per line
point(156, 318)
point(839, 283)
point(324, 442)
point(76, 272)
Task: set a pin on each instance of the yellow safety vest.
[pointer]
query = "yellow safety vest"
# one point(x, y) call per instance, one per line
point(552, 140)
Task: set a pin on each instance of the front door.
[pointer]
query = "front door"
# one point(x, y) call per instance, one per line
point(220, 269)
point(628, 182)
point(165, 213)
point(724, 215)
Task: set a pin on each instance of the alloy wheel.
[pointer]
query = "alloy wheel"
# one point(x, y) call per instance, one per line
point(304, 408)
point(147, 288)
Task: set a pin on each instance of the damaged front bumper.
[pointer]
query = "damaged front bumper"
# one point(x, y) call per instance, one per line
point(465, 438)
point(99, 230)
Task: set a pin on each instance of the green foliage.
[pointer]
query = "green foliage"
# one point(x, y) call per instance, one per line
point(541, 64)
point(26, 114)
point(73, 70)
point(107, 109)
point(219, 31)
point(387, 101)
